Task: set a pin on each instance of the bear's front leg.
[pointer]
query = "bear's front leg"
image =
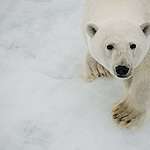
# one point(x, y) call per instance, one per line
point(135, 102)
point(93, 69)
point(125, 114)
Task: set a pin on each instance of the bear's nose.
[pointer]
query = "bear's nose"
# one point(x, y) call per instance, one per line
point(122, 71)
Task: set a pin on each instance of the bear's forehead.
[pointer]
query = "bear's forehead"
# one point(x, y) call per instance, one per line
point(123, 29)
point(123, 37)
point(119, 25)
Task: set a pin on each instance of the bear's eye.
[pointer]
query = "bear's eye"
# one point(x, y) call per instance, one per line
point(133, 46)
point(110, 47)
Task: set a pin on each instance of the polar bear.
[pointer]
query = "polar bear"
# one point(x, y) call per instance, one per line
point(117, 36)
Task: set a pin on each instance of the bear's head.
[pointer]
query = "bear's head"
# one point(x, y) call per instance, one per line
point(120, 46)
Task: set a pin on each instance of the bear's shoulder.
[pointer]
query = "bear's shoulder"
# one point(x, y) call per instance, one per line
point(99, 11)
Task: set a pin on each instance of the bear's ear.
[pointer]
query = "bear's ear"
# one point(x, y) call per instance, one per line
point(146, 28)
point(92, 30)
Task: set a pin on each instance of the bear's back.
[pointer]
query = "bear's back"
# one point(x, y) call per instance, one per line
point(99, 11)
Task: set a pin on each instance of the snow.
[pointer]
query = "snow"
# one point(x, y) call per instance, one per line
point(44, 103)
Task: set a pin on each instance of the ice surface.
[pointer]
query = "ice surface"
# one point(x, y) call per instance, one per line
point(44, 104)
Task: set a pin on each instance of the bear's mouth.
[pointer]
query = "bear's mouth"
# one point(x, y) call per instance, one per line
point(123, 76)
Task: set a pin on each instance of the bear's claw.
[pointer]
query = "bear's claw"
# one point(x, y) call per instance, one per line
point(96, 70)
point(124, 115)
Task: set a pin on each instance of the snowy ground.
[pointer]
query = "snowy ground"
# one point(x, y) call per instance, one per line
point(44, 104)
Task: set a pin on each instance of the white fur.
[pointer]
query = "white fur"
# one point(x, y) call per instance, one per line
point(100, 11)
point(120, 22)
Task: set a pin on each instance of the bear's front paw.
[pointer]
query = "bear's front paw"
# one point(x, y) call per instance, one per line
point(95, 70)
point(125, 115)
